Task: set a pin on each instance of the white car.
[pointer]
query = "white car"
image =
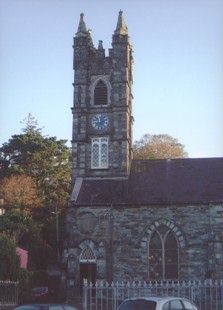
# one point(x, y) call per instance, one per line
point(157, 303)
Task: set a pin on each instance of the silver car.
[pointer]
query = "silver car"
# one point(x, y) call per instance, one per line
point(157, 303)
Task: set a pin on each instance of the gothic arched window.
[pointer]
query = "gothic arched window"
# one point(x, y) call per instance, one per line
point(100, 93)
point(163, 254)
point(87, 255)
point(99, 153)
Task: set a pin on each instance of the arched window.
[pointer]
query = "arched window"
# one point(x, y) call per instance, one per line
point(87, 256)
point(99, 153)
point(100, 93)
point(163, 254)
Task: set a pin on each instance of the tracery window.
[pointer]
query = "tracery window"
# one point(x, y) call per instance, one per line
point(87, 255)
point(100, 93)
point(163, 254)
point(99, 153)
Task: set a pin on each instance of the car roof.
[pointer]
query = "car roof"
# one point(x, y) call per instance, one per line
point(156, 298)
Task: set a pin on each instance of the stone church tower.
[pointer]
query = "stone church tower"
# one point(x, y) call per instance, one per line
point(102, 110)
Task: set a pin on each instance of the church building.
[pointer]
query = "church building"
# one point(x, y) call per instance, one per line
point(133, 219)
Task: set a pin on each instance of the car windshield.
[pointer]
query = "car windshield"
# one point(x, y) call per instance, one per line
point(138, 304)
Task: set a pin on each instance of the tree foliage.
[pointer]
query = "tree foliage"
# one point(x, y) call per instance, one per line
point(9, 260)
point(31, 125)
point(20, 227)
point(45, 159)
point(20, 191)
point(26, 233)
point(160, 146)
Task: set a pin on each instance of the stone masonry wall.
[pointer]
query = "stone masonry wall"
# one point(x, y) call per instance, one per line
point(119, 237)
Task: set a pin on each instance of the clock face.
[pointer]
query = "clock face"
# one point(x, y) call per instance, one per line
point(99, 121)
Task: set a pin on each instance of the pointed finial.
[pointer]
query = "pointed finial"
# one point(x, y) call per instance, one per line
point(90, 38)
point(121, 27)
point(82, 29)
point(100, 45)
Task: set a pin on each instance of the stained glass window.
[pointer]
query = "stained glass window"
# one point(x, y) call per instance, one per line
point(163, 255)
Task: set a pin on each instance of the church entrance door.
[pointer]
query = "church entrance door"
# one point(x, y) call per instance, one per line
point(88, 265)
point(88, 272)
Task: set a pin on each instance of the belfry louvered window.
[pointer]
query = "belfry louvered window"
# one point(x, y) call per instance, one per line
point(100, 93)
point(99, 153)
point(163, 255)
point(87, 256)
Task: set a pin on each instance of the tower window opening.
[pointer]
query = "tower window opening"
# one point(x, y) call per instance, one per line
point(100, 93)
point(99, 153)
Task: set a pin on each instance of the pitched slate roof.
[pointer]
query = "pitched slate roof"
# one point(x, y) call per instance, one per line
point(175, 181)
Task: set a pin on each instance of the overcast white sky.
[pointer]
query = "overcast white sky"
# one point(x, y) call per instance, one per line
point(178, 69)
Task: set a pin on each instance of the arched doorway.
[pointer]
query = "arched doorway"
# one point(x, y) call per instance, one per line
point(87, 266)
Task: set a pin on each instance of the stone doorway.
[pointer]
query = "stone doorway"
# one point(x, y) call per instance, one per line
point(88, 272)
point(88, 266)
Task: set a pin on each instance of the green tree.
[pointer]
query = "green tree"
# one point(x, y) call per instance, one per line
point(27, 233)
point(20, 227)
point(45, 159)
point(31, 125)
point(160, 146)
point(9, 260)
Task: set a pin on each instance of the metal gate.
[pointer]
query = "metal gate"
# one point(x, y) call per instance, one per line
point(8, 294)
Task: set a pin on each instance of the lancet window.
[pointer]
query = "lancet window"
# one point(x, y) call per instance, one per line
point(163, 254)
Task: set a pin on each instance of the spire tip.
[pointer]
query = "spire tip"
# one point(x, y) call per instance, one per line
point(82, 29)
point(121, 27)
